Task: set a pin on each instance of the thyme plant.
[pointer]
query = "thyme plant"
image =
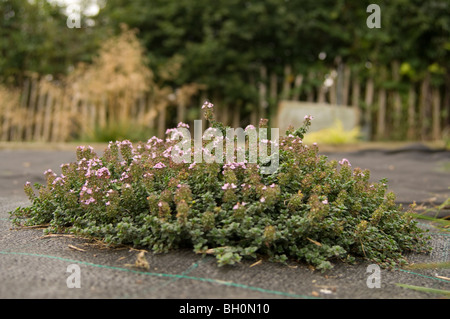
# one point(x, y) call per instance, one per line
point(310, 209)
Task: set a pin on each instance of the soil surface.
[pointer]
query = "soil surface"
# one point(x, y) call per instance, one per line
point(37, 266)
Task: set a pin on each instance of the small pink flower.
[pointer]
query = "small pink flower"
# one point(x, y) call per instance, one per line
point(325, 201)
point(207, 105)
point(344, 161)
point(262, 199)
point(228, 186)
point(308, 117)
point(49, 171)
point(159, 165)
point(181, 124)
point(89, 201)
point(250, 127)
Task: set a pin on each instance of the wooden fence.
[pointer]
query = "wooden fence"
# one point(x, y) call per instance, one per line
point(391, 109)
point(44, 111)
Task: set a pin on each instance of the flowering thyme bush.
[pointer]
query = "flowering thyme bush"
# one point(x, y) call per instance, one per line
point(310, 209)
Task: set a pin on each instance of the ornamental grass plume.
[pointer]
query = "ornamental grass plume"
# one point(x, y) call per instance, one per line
point(310, 209)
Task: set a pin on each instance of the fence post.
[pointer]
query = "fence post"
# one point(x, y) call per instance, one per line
point(436, 120)
point(397, 103)
point(29, 103)
point(332, 90)
point(411, 134)
point(424, 106)
point(286, 82)
point(381, 119)
point(356, 90)
point(236, 118)
point(368, 101)
point(47, 116)
point(273, 93)
point(42, 93)
point(346, 88)
point(262, 90)
point(297, 87)
point(103, 106)
point(321, 93)
point(162, 120)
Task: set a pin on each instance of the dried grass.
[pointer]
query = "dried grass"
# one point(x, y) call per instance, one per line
point(117, 90)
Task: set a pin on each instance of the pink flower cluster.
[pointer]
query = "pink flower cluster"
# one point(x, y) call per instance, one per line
point(207, 105)
point(344, 161)
point(159, 165)
point(181, 124)
point(154, 140)
point(229, 186)
point(250, 127)
point(103, 172)
point(271, 186)
point(192, 165)
point(238, 205)
point(235, 165)
point(49, 172)
point(244, 186)
point(89, 201)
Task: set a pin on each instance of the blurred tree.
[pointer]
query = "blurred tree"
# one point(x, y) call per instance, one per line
point(225, 42)
point(34, 38)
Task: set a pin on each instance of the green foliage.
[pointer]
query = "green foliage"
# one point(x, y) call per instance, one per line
point(310, 209)
point(123, 130)
point(34, 38)
point(225, 42)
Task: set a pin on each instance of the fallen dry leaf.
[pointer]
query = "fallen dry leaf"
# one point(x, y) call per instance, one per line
point(75, 248)
point(314, 242)
point(140, 262)
point(442, 277)
point(256, 263)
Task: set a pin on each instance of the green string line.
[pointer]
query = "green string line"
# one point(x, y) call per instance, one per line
point(164, 275)
point(425, 276)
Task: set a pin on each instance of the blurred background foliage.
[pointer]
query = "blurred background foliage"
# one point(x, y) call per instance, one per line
point(223, 45)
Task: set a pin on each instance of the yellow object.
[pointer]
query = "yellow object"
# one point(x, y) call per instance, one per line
point(334, 135)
